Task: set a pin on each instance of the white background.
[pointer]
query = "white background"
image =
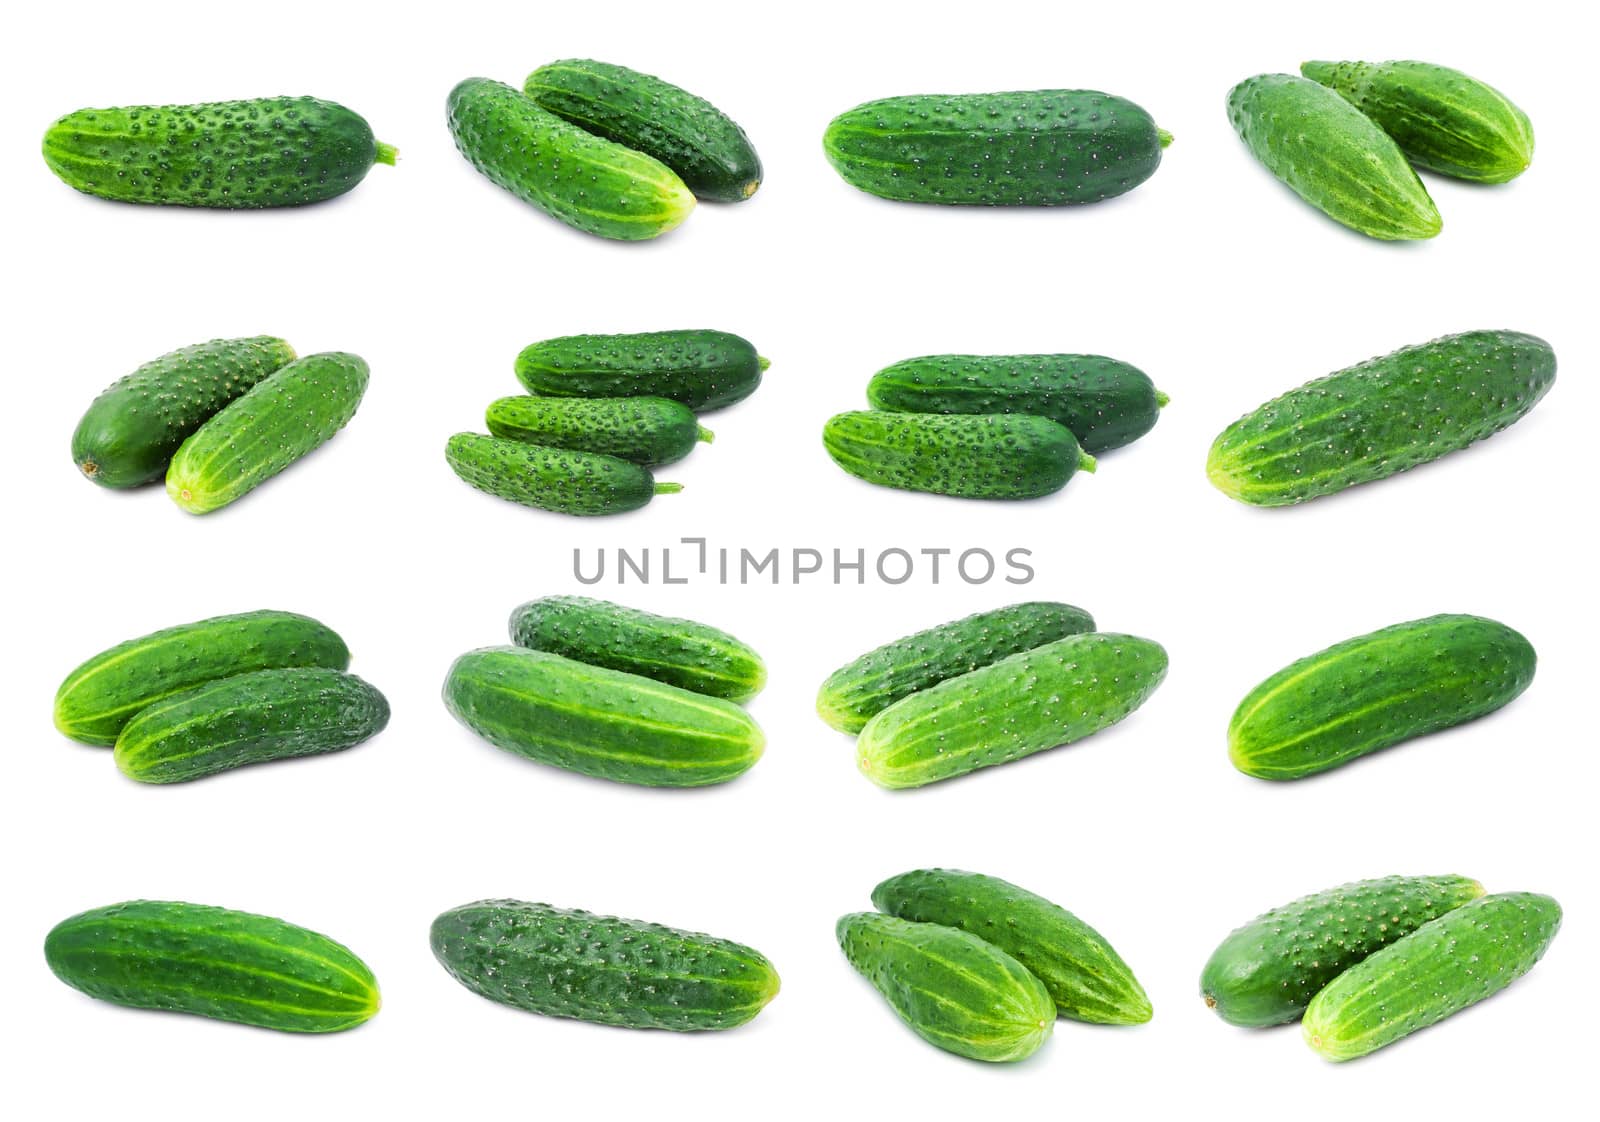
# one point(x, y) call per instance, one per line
point(1211, 277)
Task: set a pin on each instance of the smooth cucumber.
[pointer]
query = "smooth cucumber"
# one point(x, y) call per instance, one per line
point(566, 482)
point(700, 368)
point(644, 430)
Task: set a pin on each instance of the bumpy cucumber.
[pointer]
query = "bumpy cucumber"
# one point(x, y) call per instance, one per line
point(568, 963)
point(644, 430)
point(1376, 690)
point(566, 482)
point(700, 368)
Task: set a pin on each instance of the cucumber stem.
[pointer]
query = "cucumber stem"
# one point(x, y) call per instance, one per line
point(1085, 462)
point(1161, 400)
point(386, 154)
point(668, 488)
point(706, 434)
point(750, 188)
point(1164, 136)
point(763, 363)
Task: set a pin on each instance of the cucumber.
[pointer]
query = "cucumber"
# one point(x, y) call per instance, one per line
point(1442, 119)
point(213, 962)
point(1330, 154)
point(866, 686)
point(979, 456)
point(130, 431)
point(1377, 690)
point(1043, 698)
point(1104, 402)
point(249, 719)
point(679, 652)
point(102, 695)
point(1442, 967)
point(694, 138)
point(600, 722)
point(955, 990)
point(1086, 978)
point(563, 962)
point(644, 430)
point(581, 179)
point(236, 155)
point(1267, 972)
point(1022, 148)
point(285, 416)
point(700, 368)
point(583, 483)
point(1381, 417)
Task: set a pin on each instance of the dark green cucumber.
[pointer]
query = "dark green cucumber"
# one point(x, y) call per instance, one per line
point(1267, 972)
point(1381, 417)
point(131, 431)
point(566, 482)
point(644, 430)
point(563, 962)
point(1377, 690)
point(700, 368)
point(866, 686)
point(679, 652)
point(267, 152)
point(694, 138)
point(1022, 148)
point(213, 962)
point(1105, 403)
point(102, 695)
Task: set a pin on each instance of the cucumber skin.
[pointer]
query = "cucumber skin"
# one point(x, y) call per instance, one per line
point(1267, 972)
point(1394, 684)
point(1086, 978)
point(1043, 698)
point(1330, 154)
point(104, 693)
point(649, 431)
point(564, 962)
point(679, 652)
point(213, 962)
point(1444, 966)
point(130, 432)
point(1381, 417)
point(697, 367)
point(554, 479)
point(600, 722)
point(864, 687)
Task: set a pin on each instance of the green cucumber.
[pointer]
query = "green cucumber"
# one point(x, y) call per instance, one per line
point(644, 430)
point(954, 990)
point(1330, 154)
point(130, 432)
point(1042, 698)
point(102, 695)
point(1442, 119)
point(1104, 402)
point(213, 962)
point(266, 152)
point(566, 482)
point(694, 138)
point(700, 368)
point(866, 686)
point(1377, 690)
point(581, 179)
point(1022, 148)
point(1381, 417)
point(563, 962)
point(1441, 968)
point(285, 416)
point(679, 652)
point(1267, 972)
point(1086, 978)
point(600, 722)
point(976, 456)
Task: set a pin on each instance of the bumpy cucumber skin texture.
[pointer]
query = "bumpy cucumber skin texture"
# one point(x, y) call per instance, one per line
point(1105, 403)
point(1442, 119)
point(1086, 978)
point(268, 152)
point(555, 479)
point(679, 652)
point(866, 686)
point(1381, 417)
point(1444, 966)
point(564, 962)
point(102, 695)
point(213, 962)
point(1331, 155)
point(584, 180)
point(955, 990)
point(600, 722)
point(1377, 690)
point(130, 432)
point(1267, 972)
point(710, 153)
point(1044, 698)
point(643, 430)
point(700, 368)
point(1022, 148)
